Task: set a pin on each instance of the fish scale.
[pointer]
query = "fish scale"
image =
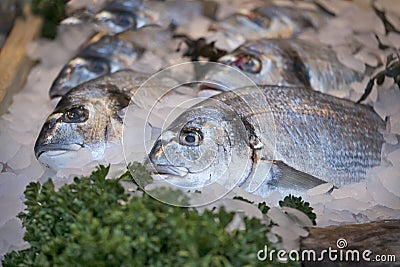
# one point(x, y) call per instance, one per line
point(300, 116)
point(276, 138)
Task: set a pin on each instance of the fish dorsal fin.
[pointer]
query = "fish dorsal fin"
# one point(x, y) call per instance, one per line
point(288, 177)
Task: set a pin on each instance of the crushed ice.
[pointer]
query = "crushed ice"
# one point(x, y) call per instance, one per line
point(376, 198)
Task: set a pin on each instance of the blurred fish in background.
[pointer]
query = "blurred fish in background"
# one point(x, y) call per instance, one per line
point(9, 11)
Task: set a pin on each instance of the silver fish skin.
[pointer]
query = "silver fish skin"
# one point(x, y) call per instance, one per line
point(121, 15)
point(271, 21)
point(268, 139)
point(288, 62)
point(111, 18)
point(106, 55)
point(88, 115)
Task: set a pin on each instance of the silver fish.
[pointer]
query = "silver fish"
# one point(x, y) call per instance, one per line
point(121, 15)
point(107, 55)
point(270, 138)
point(113, 17)
point(271, 21)
point(289, 62)
point(88, 116)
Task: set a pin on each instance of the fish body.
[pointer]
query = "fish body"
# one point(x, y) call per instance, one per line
point(270, 138)
point(288, 62)
point(107, 55)
point(87, 117)
point(120, 15)
point(111, 17)
point(271, 21)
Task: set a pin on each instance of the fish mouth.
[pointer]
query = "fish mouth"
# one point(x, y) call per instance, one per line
point(167, 169)
point(56, 149)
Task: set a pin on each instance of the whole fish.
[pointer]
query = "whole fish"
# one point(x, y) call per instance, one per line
point(108, 54)
point(87, 123)
point(289, 62)
point(111, 17)
point(121, 15)
point(270, 138)
point(87, 117)
point(271, 21)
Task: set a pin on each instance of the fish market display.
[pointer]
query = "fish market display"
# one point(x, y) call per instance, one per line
point(266, 131)
point(104, 68)
point(287, 62)
point(110, 54)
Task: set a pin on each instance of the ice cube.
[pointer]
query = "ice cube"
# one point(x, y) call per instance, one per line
point(367, 40)
point(248, 209)
point(380, 212)
point(34, 170)
point(395, 123)
point(197, 27)
point(237, 222)
point(320, 189)
point(391, 178)
point(370, 57)
point(22, 159)
point(387, 104)
point(394, 39)
point(370, 21)
point(298, 217)
point(9, 147)
point(11, 185)
point(379, 193)
point(358, 191)
point(388, 6)
point(11, 234)
point(9, 208)
point(348, 204)
point(351, 62)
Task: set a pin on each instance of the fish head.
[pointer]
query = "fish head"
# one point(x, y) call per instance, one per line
point(200, 147)
point(115, 20)
point(247, 23)
point(86, 117)
point(260, 61)
point(252, 20)
point(77, 71)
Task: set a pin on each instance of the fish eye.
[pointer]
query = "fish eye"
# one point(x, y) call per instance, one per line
point(99, 67)
point(259, 20)
point(76, 115)
point(124, 20)
point(190, 137)
point(247, 63)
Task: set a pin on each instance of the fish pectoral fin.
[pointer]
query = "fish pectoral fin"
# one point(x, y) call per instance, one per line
point(289, 177)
